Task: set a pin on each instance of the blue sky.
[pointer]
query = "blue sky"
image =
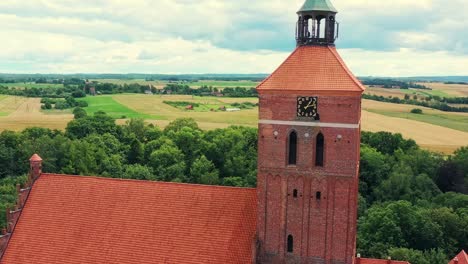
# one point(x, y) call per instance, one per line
point(379, 38)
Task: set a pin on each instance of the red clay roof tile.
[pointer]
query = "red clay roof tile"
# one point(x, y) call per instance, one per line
point(72, 219)
point(380, 261)
point(313, 68)
point(462, 258)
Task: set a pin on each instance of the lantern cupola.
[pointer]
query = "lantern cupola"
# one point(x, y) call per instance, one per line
point(316, 24)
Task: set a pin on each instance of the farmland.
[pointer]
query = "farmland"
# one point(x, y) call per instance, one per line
point(195, 84)
point(33, 85)
point(433, 129)
point(438, 89)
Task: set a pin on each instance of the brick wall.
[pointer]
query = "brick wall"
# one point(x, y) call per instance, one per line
point(323, 226)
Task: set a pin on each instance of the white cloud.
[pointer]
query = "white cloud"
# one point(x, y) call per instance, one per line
point(404, 62)
point(419, 37)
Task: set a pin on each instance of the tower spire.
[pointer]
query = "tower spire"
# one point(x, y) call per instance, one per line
point(316, 24)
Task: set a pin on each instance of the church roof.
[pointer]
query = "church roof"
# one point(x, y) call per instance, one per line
point(379, 261)
point(462, 258)
point(313, 68)
point(72, 219)
point(317, 5)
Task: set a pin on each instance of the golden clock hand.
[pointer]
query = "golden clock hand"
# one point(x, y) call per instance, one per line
point(308, 106)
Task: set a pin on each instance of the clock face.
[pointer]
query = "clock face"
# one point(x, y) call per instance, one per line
point(308, 107)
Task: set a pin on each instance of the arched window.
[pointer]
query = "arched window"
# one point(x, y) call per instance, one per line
point(319, 150)
point(321, 25)
point(318, 196)
point(292, 148)
point(290, 244)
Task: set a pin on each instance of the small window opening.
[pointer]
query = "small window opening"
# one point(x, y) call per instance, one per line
point(319, 150)
point(321, 26)
point(318, 196)
point(292, 148)
point(290, 244)
point(295, 193)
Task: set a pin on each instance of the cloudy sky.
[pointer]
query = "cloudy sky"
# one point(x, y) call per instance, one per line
point(379, 38)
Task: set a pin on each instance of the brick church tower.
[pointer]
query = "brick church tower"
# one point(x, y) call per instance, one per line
point(309, 143)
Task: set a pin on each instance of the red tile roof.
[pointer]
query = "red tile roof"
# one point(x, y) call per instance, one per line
point(73, 219)
point(462, 258)
point(313, 68)
point(379, 261)
point(35, 157)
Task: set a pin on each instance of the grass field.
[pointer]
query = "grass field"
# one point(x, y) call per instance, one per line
point(113, 108)
point(434, 129)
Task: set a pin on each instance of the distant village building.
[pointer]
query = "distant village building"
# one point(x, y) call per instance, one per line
point(232, 109)
point(92, 91)
point(218, 94)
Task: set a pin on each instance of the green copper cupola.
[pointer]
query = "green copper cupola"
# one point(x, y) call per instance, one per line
point(317, 24)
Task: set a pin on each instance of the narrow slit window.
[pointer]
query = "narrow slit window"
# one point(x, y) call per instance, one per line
point(290, 244)
point(318, 196)
point(295, 193)
point(292, 148)
point(319, 150)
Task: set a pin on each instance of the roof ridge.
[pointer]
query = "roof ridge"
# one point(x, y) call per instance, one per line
point(279, 67)
point(345, 67)
point(144, 181)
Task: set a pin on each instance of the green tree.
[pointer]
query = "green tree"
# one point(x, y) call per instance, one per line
point(203, 171)
point(48, 105)
point(137, 127)
point(411, 255)
point(374, 168)
point(234, 181)
point(138, 172)
point(100, 123)
point(180, 123)
point(136, 152)
point(189, 141)
point(168, 164)
point(460, 157)
point(79, 112)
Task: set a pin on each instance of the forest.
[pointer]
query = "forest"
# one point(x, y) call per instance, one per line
point(412, 203)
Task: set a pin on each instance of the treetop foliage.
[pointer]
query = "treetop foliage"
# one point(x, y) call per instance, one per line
point(412, 202)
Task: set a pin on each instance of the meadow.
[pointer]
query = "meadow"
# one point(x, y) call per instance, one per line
point(433, 129)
